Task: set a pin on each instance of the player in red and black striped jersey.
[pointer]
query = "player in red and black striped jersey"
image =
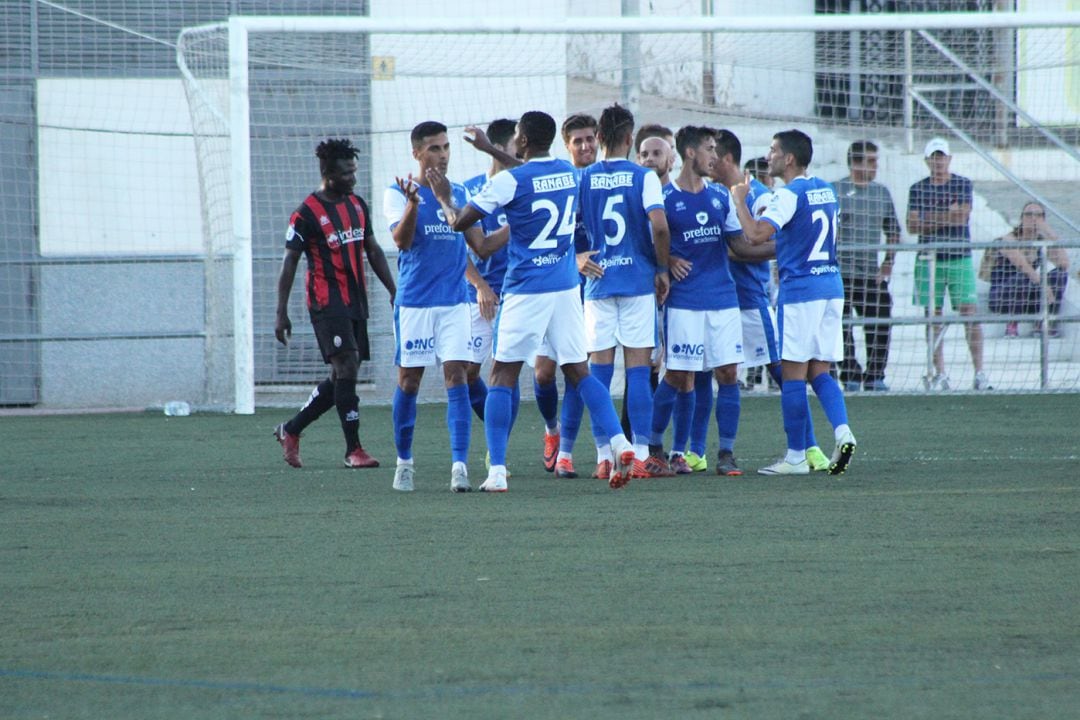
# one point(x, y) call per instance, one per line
point(331, 228)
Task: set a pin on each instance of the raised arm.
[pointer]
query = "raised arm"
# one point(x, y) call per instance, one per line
point(481, 142)
point(756, 231)
point(405, 230)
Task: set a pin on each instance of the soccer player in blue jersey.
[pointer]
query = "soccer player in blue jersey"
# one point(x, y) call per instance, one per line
point(702, 324)
point(622, 208)
point(485, 285)
point(802, 217)
point(541, 300)
point(760, 339)
point(431, 313)
point(331, 228)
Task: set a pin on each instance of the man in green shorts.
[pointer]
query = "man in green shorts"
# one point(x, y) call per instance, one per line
point(939, 208)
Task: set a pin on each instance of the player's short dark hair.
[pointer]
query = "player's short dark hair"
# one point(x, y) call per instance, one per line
point(426, 129)
point(651, 130)
point(691, 136)
point(331, 150)
point(859, 149)
point(757, 166)
point(500, 131)
point(616, 122)
point(797, 143)
point(538, 128)
point(727, 143)
point(577, 121)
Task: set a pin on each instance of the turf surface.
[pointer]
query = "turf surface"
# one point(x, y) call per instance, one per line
point(161, 567)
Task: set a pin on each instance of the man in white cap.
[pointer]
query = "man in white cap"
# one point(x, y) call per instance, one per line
point(939, 208)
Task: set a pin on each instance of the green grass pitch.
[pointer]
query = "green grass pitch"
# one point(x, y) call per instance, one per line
point(158, 567)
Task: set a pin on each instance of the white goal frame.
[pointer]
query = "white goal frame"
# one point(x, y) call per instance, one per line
point(240, 28)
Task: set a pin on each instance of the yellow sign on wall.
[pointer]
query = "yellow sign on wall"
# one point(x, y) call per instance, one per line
point(382, 67)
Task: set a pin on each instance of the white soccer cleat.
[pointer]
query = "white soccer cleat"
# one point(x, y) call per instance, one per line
point(403, 478)
point(982, 382)
point(841, 457)
point(459, 478)
point(495, 483)
point(783, 467)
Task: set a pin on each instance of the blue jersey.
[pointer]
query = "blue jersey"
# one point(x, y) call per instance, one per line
point(752, 278)
point(616, 198)
point(700, 225)
point(540, 199)
point(804, 214)
point(431, 272)
point(493, 270)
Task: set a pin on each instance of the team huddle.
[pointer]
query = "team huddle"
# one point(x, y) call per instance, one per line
point(557, 264)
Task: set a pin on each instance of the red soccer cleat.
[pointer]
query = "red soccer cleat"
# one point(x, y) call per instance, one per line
point(652, 467)
point(359, 458)
point(603, 470)
point(290, 445)
point(621, 474)
point(551, 451)
point(565, 468)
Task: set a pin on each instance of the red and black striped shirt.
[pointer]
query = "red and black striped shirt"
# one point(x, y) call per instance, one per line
point(332, 237)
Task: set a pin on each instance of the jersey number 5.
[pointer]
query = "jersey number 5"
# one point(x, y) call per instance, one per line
point(827, 234)
point(565, 224)
point(614, 216)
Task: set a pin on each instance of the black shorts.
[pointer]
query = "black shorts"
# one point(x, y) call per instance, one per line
point(338, 334)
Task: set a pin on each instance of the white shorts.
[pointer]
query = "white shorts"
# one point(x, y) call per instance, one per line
point(811, 331)
point(760, 337)
point(627, 321)
point(482, 335)
point(422, 335)
point(553, 321)
point(702, 339)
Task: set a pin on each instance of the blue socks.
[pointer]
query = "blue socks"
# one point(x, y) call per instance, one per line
point(727, 414)
point(570, 422)
point(603, 373)
point(682, 423)
point(796, 411)
point(477, 397)
point(638, 401)
point(547, 399)
point(703, 410)
point(459, 421)
point(404, 417)
point(663, 404)
point(598, 400)
point(497, 413)
point(832, 399)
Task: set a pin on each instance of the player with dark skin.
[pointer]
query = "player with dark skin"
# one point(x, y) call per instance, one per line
point(338, 181)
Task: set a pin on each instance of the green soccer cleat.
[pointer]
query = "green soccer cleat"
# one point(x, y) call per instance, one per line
point(818, 460)
point(696, 462)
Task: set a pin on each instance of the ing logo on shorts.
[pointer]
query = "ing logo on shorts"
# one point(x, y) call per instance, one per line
point(420, 344)
point(476, 342)
point(687, 350)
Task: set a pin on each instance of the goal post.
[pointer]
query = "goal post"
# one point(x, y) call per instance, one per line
point(847, 76)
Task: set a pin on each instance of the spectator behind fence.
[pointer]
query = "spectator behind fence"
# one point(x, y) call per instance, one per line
point(1015, 273)
point(939, 210)
point(867, 215)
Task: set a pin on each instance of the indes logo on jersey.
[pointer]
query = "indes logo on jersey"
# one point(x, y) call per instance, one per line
point(702, 218)
point(609, 182)
point(551, 183)
point(336, 239)
point(822, 196)
point(687, 350)
point(420, 344)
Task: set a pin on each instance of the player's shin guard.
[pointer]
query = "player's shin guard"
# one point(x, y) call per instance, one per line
point(728, 407)
point(703, 410)
point(322, 399)
point(478, 396)
point(639, 395)
point(459, 421)
point(497, 414)
point(603, 372)
point(547, 399)
point(795, 409)
point(832, 399)
point(404, 418)
point(570, 419)
point(515, 400)
point(663, 404)
point(682, 422)
point(598, 400)
point(348, 408)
